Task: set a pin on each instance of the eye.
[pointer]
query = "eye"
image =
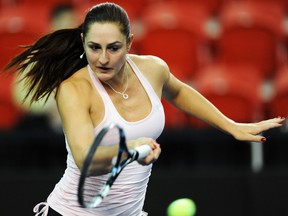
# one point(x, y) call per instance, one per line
point(94, 47)
point(114, 48)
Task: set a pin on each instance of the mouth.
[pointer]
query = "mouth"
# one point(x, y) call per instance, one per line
point(104, 69)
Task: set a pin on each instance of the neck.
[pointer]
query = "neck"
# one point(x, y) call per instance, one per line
point(120, 79)
point(124, 84)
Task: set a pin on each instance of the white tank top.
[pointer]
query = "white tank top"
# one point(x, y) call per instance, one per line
point(126, 197)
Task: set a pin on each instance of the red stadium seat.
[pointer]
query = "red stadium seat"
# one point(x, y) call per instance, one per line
point(133, 8)
point(251, 34)
point(48, 4)
point(234, 90)
point(278, 105)
point(211, 6)
point(175, 33)
point(282, 3)
point(20, 25)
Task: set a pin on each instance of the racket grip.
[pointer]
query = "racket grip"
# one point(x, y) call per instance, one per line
point(143, 151)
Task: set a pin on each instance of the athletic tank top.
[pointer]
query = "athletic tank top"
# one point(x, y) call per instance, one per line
point(126, 197)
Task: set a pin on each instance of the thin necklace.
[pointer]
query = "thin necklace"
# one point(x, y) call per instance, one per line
point(124, 95)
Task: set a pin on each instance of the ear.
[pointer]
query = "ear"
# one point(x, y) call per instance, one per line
point(130, 42)
point(82, 37)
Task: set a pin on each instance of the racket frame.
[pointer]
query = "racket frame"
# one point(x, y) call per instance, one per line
point(118, 166)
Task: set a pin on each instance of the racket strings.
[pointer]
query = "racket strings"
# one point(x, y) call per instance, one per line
point(92, 190)
point(95, 188)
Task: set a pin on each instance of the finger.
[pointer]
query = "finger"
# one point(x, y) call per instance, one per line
point(255, 138)
point(279, 120)
point(155, 145)
point(152, 156)
point(155, 153)
point(267, 126)
point(260, 139)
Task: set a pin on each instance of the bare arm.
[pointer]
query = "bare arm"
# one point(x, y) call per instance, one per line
point(192, 102)
point(73, 105)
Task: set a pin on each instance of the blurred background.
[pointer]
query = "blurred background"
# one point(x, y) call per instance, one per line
point(233, 51)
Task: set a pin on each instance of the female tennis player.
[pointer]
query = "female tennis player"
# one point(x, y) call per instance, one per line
point(96, 82)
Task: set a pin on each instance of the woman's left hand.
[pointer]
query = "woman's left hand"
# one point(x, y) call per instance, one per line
point(252, 131)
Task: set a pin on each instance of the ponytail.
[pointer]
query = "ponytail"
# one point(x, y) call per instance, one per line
point(50, 60)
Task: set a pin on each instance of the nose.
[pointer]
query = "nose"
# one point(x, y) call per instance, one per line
point(104, 58)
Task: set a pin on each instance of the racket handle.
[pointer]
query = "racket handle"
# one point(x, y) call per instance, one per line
point(143, 151)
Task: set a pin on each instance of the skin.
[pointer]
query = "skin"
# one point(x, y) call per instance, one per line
point(106, 51)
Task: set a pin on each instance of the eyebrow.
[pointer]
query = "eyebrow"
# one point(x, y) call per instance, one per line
point(110, 44)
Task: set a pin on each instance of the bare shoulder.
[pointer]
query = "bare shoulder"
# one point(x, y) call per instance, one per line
point(154, 69)
point(150, 63)
point(76, 87)
point(149, 60)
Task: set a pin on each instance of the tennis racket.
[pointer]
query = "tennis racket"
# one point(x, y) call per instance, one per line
point(111, 135)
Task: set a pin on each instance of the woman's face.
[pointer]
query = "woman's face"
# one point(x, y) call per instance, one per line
point(106, 49)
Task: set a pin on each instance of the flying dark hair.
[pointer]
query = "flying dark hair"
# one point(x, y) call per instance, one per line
point(56, 56)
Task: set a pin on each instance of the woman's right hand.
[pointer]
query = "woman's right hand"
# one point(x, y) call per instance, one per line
point(153, 155)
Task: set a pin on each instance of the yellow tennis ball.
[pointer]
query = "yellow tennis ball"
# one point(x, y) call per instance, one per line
point(181, 207)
